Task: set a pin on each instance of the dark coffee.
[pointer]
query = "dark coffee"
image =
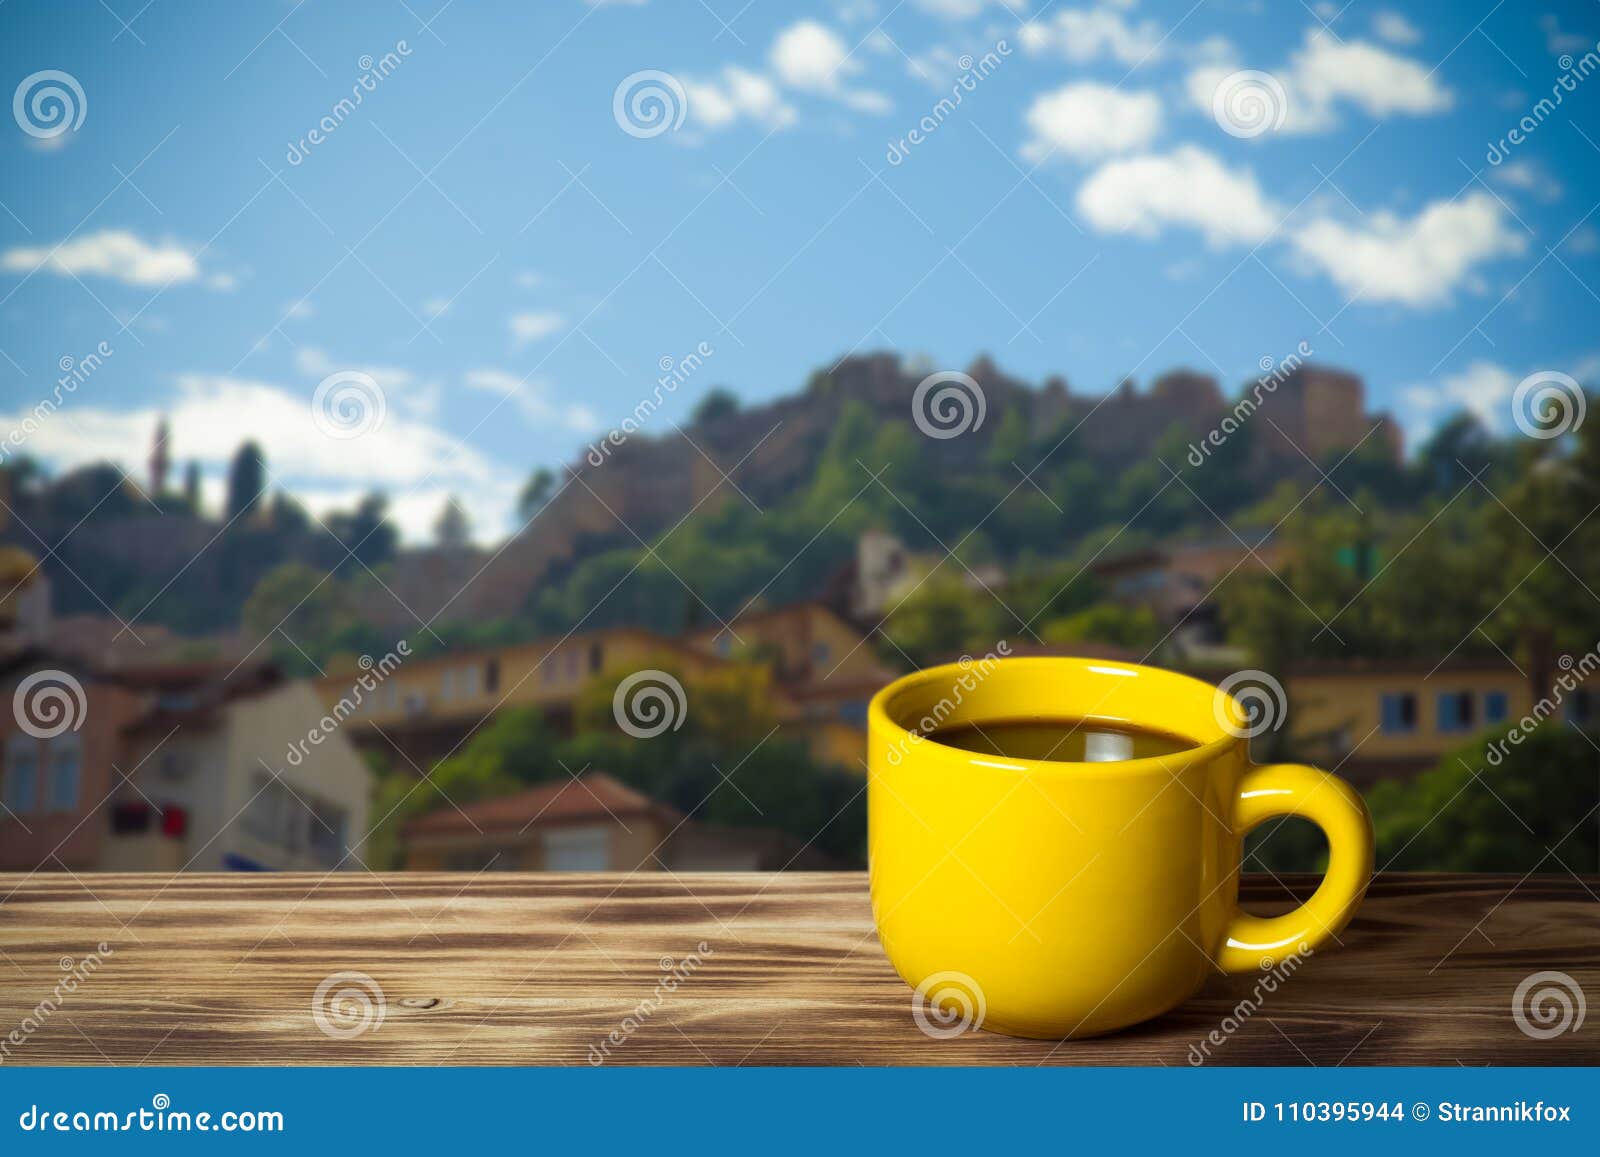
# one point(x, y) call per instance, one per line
point(1062, 740)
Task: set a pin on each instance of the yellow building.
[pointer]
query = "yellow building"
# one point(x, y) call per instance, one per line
point(805, 644)
point(1381, 719)
point(827, 672)
point(422, 709)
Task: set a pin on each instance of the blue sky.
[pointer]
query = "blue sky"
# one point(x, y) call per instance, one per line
point(502, 242)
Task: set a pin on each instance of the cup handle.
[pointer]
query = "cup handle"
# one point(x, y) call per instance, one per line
point(1293, 789)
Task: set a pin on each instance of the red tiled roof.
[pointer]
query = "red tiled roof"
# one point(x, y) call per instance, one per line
point(595, 796)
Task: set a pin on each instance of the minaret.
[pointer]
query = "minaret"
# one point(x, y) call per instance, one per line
point(159, 462)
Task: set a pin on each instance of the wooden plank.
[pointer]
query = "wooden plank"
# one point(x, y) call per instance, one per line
point(537, 969)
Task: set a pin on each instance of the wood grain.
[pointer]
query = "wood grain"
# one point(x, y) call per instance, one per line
point(536, 969)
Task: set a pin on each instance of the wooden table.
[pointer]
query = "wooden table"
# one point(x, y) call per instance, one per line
point(539, 969)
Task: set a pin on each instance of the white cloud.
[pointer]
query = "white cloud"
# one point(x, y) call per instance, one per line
point(810, 57)
point(1557, 41)
point(1529, 178)
point(1326, 73)
point(965, 9)
point(315, 363)
point(534, 326)
point(1188, 187)
point(1396, 29)
point(210, 416)
point(1483, 389)
point(1584, 240)
point(1420, 261)
point(528, 279)
point(1082, 35)
point(114, 253)
point(532, 398)
point(1089, 121)
point(739, 94)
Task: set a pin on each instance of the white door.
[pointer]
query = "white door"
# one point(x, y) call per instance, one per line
point(578, 850)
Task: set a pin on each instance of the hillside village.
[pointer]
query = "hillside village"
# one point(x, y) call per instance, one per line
point(262, 691)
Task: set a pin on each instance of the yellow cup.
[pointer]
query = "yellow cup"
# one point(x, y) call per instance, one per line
point(1055, 899)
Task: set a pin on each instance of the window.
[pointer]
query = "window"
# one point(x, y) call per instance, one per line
point(447, 686)
point(819, 652)
point(724, 646)
point(327, 831)
point(66, 771)
point(596, 655)
point(1398, 712)
point(467, 683)
point(1580, 708)
point(305, 824)
point(572, 663)
point(491, 675)
point(266, 816)
point(1495, 707)
point(21, 790)
point(577, 850)
point(174, 766)
point(1456, 711)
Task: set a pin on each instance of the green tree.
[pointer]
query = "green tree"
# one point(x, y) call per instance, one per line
point(247, 480)
point(536, 492)
point(366, 531)
point(191, 487)
point(1122, 626)
point(303, 602)
point(453, 530)
point(942, 619)
point(1495, 807)
point(717, 404)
